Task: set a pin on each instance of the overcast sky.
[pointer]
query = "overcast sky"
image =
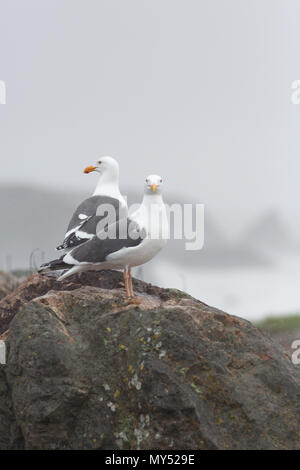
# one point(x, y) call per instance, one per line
point(196, 90)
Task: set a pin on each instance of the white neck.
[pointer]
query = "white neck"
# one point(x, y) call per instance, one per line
point(151, 199)
point(108, 185)
point(153, 216)
point(151, 206)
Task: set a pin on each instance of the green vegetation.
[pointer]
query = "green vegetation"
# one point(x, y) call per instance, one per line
point(22, 272)
point(280, 324)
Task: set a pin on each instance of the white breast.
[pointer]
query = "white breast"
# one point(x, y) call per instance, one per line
point(155, 224)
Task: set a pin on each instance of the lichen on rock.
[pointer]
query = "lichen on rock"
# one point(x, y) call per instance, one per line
point(89, 370)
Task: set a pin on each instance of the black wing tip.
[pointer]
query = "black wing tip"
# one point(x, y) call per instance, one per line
point(43, 267)
point(55, 265)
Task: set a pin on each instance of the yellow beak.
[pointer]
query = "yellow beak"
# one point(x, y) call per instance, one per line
point(88, 169)
point(153, 187)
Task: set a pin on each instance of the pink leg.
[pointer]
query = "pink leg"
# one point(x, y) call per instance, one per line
point(126, 283)
point(130, 283)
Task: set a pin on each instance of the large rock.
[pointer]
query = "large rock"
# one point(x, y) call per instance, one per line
point(88, 370)
point(10, 433)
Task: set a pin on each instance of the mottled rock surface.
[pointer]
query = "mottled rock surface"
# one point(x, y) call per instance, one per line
point(88, 370)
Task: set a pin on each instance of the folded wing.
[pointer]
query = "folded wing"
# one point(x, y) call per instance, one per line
point(84, 222)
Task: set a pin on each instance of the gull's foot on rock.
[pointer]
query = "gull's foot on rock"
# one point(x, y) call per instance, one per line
point(133, 301)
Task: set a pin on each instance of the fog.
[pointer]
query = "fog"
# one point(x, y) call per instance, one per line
point(197, 91)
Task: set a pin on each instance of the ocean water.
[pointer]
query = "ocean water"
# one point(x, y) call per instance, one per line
point(249, 292)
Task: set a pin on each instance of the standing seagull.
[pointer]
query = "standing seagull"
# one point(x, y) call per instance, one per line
point(83, 224)
point(146, 232)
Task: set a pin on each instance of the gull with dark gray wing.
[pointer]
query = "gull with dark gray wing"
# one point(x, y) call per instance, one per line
point(91, 211)
point(125, 243)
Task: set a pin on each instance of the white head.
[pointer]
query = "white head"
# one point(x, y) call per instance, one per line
point(153, 184)
point(104, 165)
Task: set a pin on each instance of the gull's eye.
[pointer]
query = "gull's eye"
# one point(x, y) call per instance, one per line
point(99, 162)
point(147, 181)
point(160, 180)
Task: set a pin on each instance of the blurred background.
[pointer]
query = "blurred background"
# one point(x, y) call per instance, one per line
point(198, 91)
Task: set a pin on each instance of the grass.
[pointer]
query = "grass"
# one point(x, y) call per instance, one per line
point(280, 324)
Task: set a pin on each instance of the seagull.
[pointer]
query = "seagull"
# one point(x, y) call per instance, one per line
point(83, 224)
point(137, 239)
